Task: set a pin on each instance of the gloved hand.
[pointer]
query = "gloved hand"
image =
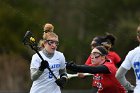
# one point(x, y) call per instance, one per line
point(61, 82)
point(70, 65)
point(129, 87)
point(44, 65)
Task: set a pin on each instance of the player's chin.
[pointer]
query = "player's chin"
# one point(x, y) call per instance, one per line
point(94, 64)
point(52, 50)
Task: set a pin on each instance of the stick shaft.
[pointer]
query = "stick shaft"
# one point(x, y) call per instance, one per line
point(43, 60)
point(76, 75)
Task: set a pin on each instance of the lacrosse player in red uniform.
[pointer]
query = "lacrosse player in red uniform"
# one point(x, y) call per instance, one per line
point(107, 41)
point(103, 72)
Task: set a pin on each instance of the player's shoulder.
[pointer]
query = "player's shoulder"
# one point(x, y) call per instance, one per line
point(135, 50)
point(58, 53)
point(112, 52)
point(110, 66)
point(35, 55)
point(40, 52)
point(108, 63)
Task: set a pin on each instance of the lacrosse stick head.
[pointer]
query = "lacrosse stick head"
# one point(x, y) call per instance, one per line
point(29, 40)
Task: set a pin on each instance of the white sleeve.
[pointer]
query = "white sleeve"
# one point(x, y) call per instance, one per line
point(35, 62)
point(63, 62)
point(127, 62)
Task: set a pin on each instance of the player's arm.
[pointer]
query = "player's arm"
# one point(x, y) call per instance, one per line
point(35, 74)
point(63, 78)
point(88, 62)
point(88, 69)
point(63, 73)
point(120, 75)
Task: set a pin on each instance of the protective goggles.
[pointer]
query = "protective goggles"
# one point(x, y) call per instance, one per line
point(50, 42)
point(96, 54)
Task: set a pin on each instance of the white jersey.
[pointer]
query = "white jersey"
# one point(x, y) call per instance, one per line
point(46, 82)
point(133, 60)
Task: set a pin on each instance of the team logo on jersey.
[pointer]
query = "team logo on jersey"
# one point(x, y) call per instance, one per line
point(137, 69)
point(97, 81)
point(55, 66)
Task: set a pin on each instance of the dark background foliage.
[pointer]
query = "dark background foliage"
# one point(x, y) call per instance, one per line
point(76, 22)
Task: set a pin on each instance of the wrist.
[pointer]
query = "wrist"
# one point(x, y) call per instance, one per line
point(64, 75)
point(64, 78)
point(41, 69)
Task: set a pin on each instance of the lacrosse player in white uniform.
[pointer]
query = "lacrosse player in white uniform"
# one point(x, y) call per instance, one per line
point(43, 80)
point(132, 60)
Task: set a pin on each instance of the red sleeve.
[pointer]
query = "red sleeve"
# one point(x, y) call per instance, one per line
point(88, 62)
point(115, 58)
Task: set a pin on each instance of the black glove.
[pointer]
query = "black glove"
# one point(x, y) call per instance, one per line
point(130, 91)
point(61, 82)
point(44, 65)
point(70, 65)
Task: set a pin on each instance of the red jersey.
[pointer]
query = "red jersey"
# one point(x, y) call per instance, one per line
point(107, 83)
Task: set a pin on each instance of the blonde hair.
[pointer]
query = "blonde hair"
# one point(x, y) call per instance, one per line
point(48, 32)
point(48, 27)
point(48, 35)
point(41, 44)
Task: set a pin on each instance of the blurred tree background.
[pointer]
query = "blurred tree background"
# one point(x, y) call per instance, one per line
point(76, 22)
